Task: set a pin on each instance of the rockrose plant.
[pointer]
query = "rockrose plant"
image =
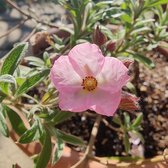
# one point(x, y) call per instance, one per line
point(97, 49)
point(86, 80)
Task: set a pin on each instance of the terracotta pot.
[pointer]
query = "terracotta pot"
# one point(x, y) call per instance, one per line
point(70, 157)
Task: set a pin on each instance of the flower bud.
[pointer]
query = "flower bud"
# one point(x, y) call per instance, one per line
point(98, 37)
point(49, 40)
point(111, 46)
point(127, 62)
point(129, 102)
point(39, 42)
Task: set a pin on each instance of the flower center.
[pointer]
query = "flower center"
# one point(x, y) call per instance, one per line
point(89, 83)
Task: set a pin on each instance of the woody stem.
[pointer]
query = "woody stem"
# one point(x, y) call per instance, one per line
point(88, 152)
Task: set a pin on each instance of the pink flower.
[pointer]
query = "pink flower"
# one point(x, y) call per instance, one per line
point(86, 80)
point(137, 151)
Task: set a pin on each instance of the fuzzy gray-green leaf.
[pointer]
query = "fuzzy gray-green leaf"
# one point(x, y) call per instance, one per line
point(45, 154)
point(3, 125)
point(71, 139)
point(34, 133)
point(59, 150)
point(13, 58)
point(15, 121)
point(31, 82)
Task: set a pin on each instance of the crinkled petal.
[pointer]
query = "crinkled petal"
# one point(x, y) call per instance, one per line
point(113, 76)
point(86, 59)
point(129, 102)
point(104, 102)
point(75, 100)
point(63, 75)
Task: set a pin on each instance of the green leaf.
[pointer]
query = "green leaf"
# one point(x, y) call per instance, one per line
point(32, 81)
point(143, 59)
point(131, 87)
point(71, 139)
point(47, 59)
point(4, 81)
point(104, 3)
point(20, 80)
point(11, 62)
point(126, 143)
point(59, 150)
point(61, 116)
point(7, 79)
point(13, 58)
point(138, 120)
point(45, 154)
point(3, 126)
point(23, 71)
point(126, 120)
point(45, 113)
point(117, 120)
point(156, 3)
point(33, 134)
point(143, 22)
point(140, 30)
point(140, 136)
point(57, 40)
point(16, 121)
point(126, 18)
point(35, 61)
point(2, 96)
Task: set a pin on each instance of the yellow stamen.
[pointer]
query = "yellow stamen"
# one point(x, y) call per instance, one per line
point(89, 83)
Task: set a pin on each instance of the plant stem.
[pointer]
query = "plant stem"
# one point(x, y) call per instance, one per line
point(110, 126)
point(29, 16)
point(31, 98)
point(88, 152)
point(30, 35)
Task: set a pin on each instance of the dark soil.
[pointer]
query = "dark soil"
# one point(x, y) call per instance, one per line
point(153, 86)
point(152, 89)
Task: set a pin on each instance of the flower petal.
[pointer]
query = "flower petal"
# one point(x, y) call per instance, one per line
point(63, 75)
point(75, 100)
point(86, 59)
point(114, 75)
point(129, 102)
point(104, 102)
